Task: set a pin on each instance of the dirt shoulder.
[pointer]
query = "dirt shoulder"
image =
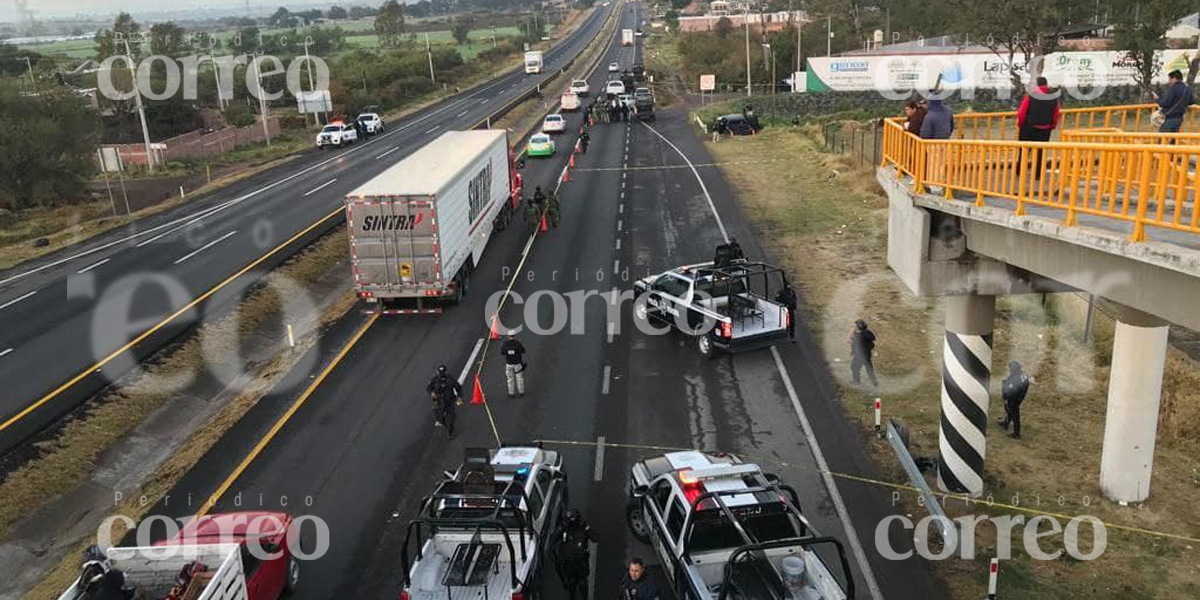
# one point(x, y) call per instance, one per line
point(828, 218)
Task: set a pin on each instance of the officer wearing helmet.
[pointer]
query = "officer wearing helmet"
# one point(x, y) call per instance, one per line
point(574, 564)
point(446, 394)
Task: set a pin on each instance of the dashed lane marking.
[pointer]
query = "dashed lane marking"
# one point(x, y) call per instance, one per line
point(604, 385)
point(599, 474)
point(16, 300)
point(206, 246)
point(320, 187)
point(92, 266)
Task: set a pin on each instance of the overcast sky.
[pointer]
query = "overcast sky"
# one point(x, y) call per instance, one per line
point(45, 9)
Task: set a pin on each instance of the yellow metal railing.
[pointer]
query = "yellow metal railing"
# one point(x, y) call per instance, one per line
point(1131, 118)
point(1142, 184)
point(1112, 135)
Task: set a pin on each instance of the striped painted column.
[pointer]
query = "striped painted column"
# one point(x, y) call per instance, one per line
point(966, 373)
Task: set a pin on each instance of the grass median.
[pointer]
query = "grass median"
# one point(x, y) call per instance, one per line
point(827, 220)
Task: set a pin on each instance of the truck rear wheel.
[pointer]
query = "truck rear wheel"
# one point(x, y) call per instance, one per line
point(704, 345)
point(293, 576)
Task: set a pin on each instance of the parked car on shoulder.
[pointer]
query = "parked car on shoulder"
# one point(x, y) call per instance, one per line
point(734, 125)
point(370, 123)
point(337, 134)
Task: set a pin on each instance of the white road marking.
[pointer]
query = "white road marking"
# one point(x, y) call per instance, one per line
point(599, 475)
point(320, 187)
point(619, 224)
point(618, 243)
point(621, 206)
point(207, 246)
point(6, 352)
point(839, 505)
point(92, 266)
point(611, 332)
point(823, 467)
point(462, 113)
point(607, 374)
point(387, 153)
point(470, 361)
point(704, 188)
point(432, 129)
point(16, 300)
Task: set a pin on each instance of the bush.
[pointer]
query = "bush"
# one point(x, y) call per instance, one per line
point(239, 115)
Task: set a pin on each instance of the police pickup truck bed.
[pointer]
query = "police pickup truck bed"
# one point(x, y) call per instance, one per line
point(486, 530)
point(726, 307)
point(725, 530)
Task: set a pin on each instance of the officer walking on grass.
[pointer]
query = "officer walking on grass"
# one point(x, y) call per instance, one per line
point(1014, 388)
point(446, 394)
point(514, 364)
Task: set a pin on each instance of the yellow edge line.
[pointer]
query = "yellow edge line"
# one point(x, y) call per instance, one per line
point(99, 365)
point(284, 418)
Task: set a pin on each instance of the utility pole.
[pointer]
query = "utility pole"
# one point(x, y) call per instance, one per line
point(829, 37)
point(137, 94)
point(29, 65)
point(312, 86)
point(429, 53)
point(749, 88)
point(216, 72)
point(493, 36)
point(799, 47)
point(262, 97)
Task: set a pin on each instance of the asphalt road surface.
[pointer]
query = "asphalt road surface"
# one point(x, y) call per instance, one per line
point(360, 451)
point(62, 314)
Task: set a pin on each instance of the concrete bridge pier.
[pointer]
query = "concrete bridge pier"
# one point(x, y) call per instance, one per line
point(1134, 393)
point(966, 373)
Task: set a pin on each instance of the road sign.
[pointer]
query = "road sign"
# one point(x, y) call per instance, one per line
point(318, 101)
point(708, 83)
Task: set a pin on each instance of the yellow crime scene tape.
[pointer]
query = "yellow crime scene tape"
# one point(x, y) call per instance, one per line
point(893, 485)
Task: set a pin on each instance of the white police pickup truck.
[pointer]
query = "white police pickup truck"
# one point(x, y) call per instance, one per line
point(725, 306)
point(371, 123)
point(487, 528)
point(725, 530)
point(337, 134)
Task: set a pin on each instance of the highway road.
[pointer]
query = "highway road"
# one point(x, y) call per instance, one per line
point(358, 449)
point(67, 320)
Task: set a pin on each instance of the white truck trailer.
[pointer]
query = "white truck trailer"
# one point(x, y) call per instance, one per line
point(533, 62)
point(626, 37)
point(418, 229)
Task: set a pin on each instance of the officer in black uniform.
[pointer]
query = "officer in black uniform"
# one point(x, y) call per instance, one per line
point(575, 555)
point(446, 394)
point(1014, 388)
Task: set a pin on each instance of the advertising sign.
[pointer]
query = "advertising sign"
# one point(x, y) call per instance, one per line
point(318, 101)
point(903, 72)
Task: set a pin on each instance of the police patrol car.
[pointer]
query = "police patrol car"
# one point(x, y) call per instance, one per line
point(725, 530)
point(486, 528)
point(724, 307)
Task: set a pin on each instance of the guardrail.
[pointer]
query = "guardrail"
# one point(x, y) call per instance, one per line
point(1130, 117)
point(1142, 184)
point(1112, 135)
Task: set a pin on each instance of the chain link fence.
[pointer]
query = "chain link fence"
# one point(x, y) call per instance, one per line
point(863, 141)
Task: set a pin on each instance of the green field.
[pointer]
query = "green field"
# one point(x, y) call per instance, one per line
point(359, 34)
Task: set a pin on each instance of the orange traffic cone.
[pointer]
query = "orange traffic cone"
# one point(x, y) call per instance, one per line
point(495, 334)
point(590, 121)
point(544, 228)
point(571, 163)
point(566, 175)
point(477, 397)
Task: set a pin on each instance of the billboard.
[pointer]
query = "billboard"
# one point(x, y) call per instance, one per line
point(903, 72)
point(317, 101)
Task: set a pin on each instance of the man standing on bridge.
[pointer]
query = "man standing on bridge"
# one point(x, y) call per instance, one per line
point(1175, 104)
point(514, 364)
point(1036, 119)
point(446, 394)
point(1014, 388)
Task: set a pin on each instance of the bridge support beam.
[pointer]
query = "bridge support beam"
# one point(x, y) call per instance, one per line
point(1134, 392)
point(966, 373)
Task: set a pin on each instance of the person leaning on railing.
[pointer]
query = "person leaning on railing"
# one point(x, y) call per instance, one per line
point(1175, 104)
point(1036, 119)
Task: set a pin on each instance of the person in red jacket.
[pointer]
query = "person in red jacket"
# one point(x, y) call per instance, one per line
point(1036, 119)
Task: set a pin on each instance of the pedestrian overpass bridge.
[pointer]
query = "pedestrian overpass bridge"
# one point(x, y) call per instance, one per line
point(1112, 212)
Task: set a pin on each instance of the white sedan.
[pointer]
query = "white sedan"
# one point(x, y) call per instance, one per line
point(580, 87)
point(614, 67)
point(554, 124)
point(614, 88)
